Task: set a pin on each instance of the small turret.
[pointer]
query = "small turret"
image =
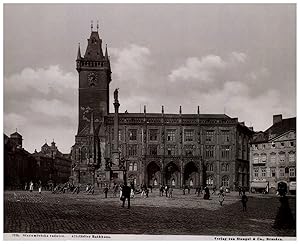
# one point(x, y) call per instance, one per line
point(78, 52)
point(106, 53)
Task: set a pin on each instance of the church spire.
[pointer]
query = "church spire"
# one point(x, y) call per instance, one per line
point(78, 52)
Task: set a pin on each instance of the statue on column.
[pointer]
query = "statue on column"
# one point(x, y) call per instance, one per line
point(116, 94)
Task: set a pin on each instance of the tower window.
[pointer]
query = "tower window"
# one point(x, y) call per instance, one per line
point(188, 135)
point(132, 135)
point(132, 150)
point(153, 134)
point(209, 135)
point(170, 135)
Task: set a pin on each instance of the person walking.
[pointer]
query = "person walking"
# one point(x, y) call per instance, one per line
point(25, 186)
point(214, 190)
point(171, 192)
point(244, 202)
point(40, 187)
point(221, 197)
point(31, 186)
point(105, 191)
point(115, 190)
point(125, 195)
point(132, 193)
point(161, 190)
point(166, 190)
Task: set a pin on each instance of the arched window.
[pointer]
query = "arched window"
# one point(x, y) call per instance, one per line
point(210, 180)
point(135, 167)
point(210, 167)
point(130, 166)
point(191, 182)
point(226, 167)
point(173, 182)
point(155, 182)
point(225, 181)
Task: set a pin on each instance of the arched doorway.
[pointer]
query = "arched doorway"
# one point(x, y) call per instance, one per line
point(172, 175)
point(154, 176)
point(191, 175)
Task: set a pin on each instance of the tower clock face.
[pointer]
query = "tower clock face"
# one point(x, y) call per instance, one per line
point(92, 79)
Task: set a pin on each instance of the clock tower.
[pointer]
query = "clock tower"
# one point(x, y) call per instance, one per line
point(94, 78)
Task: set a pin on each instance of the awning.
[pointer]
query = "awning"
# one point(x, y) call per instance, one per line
point(292, 186)
point(259, 184)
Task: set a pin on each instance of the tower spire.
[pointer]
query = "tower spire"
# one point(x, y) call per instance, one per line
point(79, 52)
point(91, 26)
point(97, 25)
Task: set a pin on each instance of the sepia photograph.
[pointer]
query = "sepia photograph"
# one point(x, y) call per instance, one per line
point(149, 121)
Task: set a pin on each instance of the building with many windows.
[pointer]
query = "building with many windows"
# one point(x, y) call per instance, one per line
point(154, 148)
point(273, 156)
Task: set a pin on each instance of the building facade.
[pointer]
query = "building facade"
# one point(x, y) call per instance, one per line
point(19, 165)
point(53, 166)
point(273, 156)
point(154, 148)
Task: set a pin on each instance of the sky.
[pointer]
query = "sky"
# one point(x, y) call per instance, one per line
point(238, 59)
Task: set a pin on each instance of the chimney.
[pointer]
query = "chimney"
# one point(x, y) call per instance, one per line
point(277, 118)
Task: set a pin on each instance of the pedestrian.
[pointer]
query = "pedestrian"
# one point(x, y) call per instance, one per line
point(206, 193)
point(125, 195)
point(120, 188)
point(171, 192)
point(161, 190)
point(240, 191)
point(132, 193)
point(166, 190)
point(40, 187)
point(25, 186)
point(105, 191)
point(214, 190)
point(221, 197)
point(143, 193)
point(115, 190)
point(150, 187)
point(244, 202)
point(189, 189)
point(183, 190)
point(31, 186)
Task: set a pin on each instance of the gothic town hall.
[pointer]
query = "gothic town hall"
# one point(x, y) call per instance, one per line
point(151, 148)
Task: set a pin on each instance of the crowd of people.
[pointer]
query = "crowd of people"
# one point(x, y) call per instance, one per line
point(126, 192)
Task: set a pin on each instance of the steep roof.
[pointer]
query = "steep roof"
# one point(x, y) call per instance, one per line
point(282, 126)
point(16, 135)
point(276, 129)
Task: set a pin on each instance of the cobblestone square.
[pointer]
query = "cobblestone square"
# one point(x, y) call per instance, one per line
point(26, 212)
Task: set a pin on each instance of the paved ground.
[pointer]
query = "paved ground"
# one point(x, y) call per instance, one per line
point(182, 214)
